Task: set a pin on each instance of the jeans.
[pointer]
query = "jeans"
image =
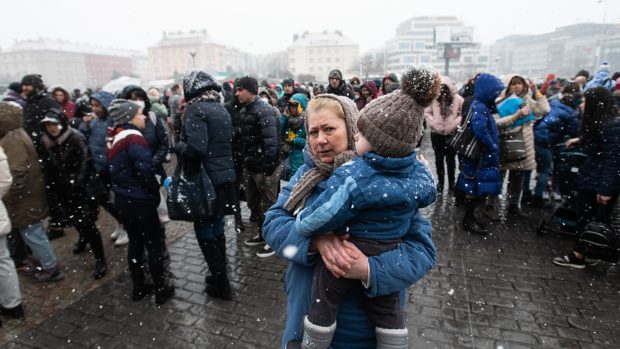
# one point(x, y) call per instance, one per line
point(261, 192)
point(209, 230)
point(544, 161)
point(10, 296)
point(443, 153)
point(34, 236)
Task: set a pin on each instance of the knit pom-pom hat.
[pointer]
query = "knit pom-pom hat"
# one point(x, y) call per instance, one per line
point(393, 123)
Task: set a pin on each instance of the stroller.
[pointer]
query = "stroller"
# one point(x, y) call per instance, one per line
point(566, 173)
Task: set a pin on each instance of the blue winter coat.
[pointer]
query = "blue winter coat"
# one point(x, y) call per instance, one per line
point(131, 167)
point(97, 132)
point(561, 121)
point(482, 177)
point(600, 174)
point(371, 197)
point(602, 79)
point(390, 272)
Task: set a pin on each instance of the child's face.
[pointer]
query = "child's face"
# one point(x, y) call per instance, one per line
point(362, 146)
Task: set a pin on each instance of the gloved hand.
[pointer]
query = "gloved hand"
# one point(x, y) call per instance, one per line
point(290, 135)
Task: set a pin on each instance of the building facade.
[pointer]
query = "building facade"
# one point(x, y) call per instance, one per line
point(177, 52)
point(316, 54)
point(563, 52)
point(72, 65)
point(415, 44)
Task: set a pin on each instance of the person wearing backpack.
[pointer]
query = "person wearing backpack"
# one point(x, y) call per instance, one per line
point(599, 180)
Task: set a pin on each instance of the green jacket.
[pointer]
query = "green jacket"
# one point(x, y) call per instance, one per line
point(293, 134)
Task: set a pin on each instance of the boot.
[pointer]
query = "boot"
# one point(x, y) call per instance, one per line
point(527, 197)
point(492, 213)
point(17, 312)
point(239, 227)
point(317, 337)
point(101, 268)
point(392, 338)
point(470, 223)
point(80, 246)
point(515, 210)
point(140, 288)
point(540, 202)
point(163, 292)
point(218, 285)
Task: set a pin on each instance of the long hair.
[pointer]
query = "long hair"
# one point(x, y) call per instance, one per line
point(445, 100)
point(599, 109)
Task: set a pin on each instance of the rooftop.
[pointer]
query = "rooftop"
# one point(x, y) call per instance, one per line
point(47, 44)
point(322, 39)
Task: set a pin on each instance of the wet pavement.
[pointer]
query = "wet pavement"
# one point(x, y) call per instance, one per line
point(498, 291)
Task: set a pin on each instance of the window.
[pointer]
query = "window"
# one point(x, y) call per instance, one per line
point(419, 45)
point(311, 69)
point(409, 59)
point(468, 59)
point(483, 59)
point(425, 59)
point(311, 51)
point(328, 60)
point(337, 60)
point(404, 46)
point(311, 60)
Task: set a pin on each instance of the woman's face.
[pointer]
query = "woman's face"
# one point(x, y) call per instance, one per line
point(327, 135)
point(59, 96)
point(516, 86)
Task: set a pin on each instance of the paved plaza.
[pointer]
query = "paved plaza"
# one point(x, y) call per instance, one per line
point(498, 291)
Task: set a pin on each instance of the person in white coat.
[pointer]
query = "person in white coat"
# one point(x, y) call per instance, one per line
point(10, 295)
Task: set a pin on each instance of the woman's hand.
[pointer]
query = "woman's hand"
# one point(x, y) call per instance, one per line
point(533, 87)
point(525, 111)
point(602, 199)
point(337, 257)
point(571, 142)
point(423, 160)
point(359, 268)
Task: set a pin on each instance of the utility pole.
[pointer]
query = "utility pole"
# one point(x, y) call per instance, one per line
point(193, 54)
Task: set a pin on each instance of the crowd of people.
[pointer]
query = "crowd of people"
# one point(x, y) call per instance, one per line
point(331, 175)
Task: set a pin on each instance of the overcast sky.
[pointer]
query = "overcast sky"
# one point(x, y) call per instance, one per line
point(265, 26)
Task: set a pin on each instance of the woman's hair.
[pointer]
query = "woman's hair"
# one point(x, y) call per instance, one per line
point(317, 104)
point(526, 87)
point(600, 108)
point(445, 100)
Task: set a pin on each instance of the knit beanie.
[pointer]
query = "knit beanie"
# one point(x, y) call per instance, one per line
point(288, 82)
point(15, 87)
point(33, 80)
point(393, 123)
point(122, 111)
point(247, 83)
point(335, 74)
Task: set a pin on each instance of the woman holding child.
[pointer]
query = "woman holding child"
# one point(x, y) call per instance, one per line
point(331, 125)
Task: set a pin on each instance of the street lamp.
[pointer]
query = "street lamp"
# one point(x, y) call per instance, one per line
point(193, 54)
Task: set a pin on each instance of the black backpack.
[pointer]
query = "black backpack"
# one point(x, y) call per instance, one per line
point(598, 239)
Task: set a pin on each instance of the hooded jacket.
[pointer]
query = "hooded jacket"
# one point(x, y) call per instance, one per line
point(482, 177)
point(342, 90)
point(36, 106)
point(68, 107)
point(374, 93)
point(602, 79)
point(72, 182)
point(26, 201)
point(445, 124)
point(12, 96)
point(96, 132)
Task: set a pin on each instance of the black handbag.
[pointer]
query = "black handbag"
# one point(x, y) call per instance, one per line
point(190, 198)
point(598, 240)
point(512, 146)
point(463, 141)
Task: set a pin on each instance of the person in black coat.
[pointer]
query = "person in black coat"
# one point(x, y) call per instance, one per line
point(72, 182)
point(206, 141)
point(234, 108)
point(599, 182)
point(289, 91)
point(337, 86)
point(38, 101)
point(260, 150)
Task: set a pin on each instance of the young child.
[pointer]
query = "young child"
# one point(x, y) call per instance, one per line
point(373, 198)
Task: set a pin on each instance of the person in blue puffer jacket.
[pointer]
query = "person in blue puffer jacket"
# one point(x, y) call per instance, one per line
point(330, 138)
point(599, 182)
point(372, 199)
point(479, 178)
point(552, 130)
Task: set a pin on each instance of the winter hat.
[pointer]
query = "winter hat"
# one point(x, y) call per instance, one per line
point(605, 66)
point(135, 90)
point(15, 87)
point(247, 83)
point(288, 82)
point(123, 111)
point(104, 98)
point(393, 123)
point(33, 80)
point(196, 82)
point(56, 116)
point(335, 74)
point(300, 98)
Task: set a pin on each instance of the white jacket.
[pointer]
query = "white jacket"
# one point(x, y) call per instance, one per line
point(5, 184)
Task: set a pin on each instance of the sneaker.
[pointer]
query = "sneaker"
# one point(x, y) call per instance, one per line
point(255, 241)
point(491, 213)
point(51, 274)
point(16, 312)
point(29, 269)
point(116, 232)
point(164, 218)
point(557, 196)
point(570, 261)
point(474, 228)
point(122, 239)
point(266, 252)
